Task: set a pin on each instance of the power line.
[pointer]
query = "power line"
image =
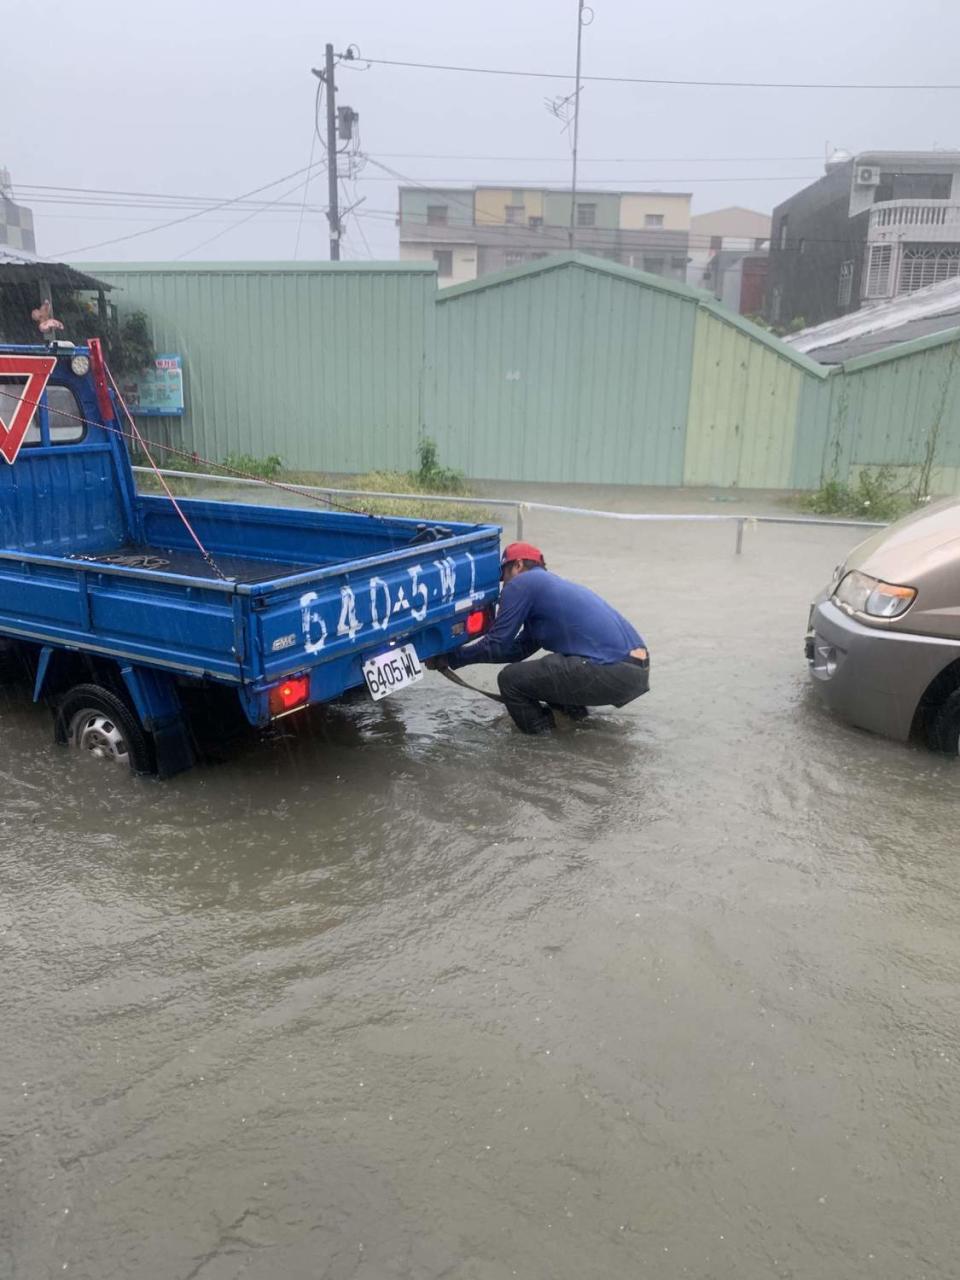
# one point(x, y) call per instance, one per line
point(652, 80)
point(306, 185)
point(638, 185)
point(233, 225)
point(417, 155)
point(137, 199)
point(475, 219)
point(34, 192)
point(549, 181)
point(357, 200)
point(162, 226)
point(556, 232)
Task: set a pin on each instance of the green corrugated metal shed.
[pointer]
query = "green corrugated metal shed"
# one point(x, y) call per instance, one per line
point(324, 364)
point(569, 369)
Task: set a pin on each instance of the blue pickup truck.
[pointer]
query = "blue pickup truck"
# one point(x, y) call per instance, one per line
point(125, 609)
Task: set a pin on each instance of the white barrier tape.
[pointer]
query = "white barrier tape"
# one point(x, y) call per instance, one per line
point(523, 506)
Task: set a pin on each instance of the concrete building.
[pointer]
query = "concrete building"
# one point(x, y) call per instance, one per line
point(728, 256)
point(16, 221)
point(738, 279)
point(471, 232)
point(877, 224)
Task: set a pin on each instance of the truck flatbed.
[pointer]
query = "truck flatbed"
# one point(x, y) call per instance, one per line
point(288, 606)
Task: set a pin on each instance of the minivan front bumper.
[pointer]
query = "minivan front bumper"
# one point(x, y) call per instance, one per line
point(872, 677)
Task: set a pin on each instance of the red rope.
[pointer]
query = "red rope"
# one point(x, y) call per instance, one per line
point(176, 505)
point(195, 457)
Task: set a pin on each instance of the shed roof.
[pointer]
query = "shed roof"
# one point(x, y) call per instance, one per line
point(932, 310)
point(283, 267)
point(19, 267)
point(644, 279)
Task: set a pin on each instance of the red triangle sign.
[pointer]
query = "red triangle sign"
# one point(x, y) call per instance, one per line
point(36, 370)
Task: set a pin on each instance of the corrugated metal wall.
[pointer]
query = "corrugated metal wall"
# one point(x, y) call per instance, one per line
point(743, 408)
point(323, 364)
point(569, 369)
point(905, 411)
point(572, 372)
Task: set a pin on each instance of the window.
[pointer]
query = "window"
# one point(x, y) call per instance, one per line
point(59, 409)
point(913, 186)
point(653, 219)
point(878, 271)
point(653, 265)
point(535, 223)
point(586, 215)
point(444, 260)
point(925, 264)
point(437, 215)
point(64, 429)
point(845, 287)
point(679, 264)
point(513, 259)
point(716, 244)
point(514, 214)
point(783, 232)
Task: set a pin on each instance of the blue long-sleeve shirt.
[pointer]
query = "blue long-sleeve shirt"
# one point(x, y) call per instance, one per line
point(538, 610)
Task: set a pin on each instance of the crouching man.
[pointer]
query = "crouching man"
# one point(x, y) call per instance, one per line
point(595, 657)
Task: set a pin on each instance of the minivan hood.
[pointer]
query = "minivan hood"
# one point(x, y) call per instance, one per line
point(913, 547)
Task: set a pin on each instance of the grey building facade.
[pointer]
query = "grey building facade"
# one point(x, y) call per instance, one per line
point(876, 225)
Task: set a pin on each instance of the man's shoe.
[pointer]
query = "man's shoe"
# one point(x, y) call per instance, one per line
point(573, 713)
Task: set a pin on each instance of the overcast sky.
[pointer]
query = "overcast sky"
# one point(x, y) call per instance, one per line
point(214, 99)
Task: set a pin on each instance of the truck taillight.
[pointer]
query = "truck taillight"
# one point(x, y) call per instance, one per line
point(289, 695)
point(476, 622)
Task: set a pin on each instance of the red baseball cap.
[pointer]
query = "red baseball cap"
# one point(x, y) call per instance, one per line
point(522, 551)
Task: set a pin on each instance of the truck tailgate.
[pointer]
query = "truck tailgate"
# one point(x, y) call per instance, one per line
point(331, 620)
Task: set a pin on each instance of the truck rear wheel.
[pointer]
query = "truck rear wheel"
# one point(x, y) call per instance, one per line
point(93, 720)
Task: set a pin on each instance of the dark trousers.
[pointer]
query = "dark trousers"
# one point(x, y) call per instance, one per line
point(532, 690)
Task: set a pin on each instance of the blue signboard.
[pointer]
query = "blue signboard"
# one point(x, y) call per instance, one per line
point(156, 392)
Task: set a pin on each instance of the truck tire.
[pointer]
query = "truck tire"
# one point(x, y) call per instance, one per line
point(943, 733)
point(90, 718)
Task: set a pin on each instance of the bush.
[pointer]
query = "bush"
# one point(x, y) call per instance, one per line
point(410, 482)
point(268, 468)
point(431, 476)
point(874, 497)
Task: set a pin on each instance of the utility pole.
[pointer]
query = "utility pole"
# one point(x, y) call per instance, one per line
point(333, 199)
point(333, 212)
point(576, 129)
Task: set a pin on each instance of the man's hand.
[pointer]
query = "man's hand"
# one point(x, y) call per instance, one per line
point(440, 663)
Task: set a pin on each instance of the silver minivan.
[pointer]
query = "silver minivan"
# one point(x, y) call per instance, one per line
point(883, 639)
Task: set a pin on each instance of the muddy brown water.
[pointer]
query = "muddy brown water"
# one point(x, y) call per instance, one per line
point(672, 994)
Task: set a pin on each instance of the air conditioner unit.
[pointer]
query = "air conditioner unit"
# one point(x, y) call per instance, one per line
point(868, 176)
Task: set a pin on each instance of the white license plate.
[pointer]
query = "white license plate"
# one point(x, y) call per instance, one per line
point(391, 671)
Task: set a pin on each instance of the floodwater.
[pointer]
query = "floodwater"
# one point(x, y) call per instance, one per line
point(671, 994)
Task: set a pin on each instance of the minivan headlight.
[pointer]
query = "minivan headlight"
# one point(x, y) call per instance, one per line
point(860, 593)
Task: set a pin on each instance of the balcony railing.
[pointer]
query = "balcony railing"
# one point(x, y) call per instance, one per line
point(901, 215)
